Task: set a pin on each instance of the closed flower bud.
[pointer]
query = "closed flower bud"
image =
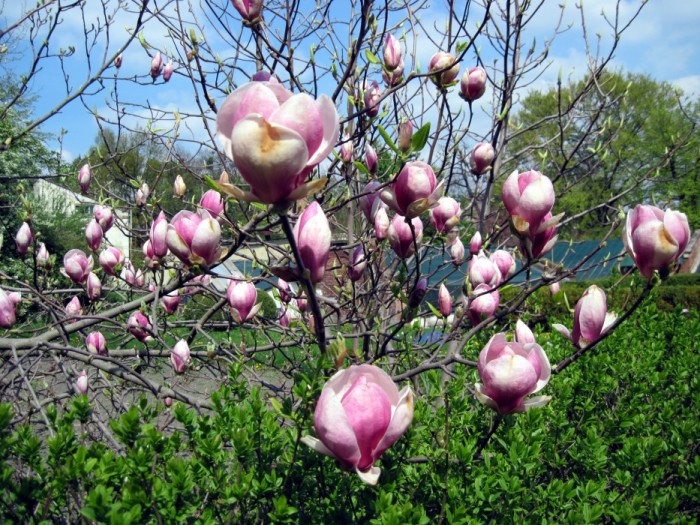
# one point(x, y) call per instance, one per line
point(194, 238)
point(372, 98)
point(405, 135)
point(381, 224)
point(158, 235)
point(370, 201)
point(475, 243)
point(370, 158)
point(509, 372)
point(43, 258)
point(359, 415)
point(654, 239)
point(73, 308)
point(276, 138)
point(528, 197)
point(346, 150)
point(483, 271)
point(179, 187)
point(591, 318)
point(445, 215)
point(483, 304)
point(415, 298)
point(96, 343)
point(284, 290)
point(8, 302)
point(523, 334)
point(77, 266)
point(504, 262)
point(401, 238)
point(358, 263)
point(81, 383)
point(180, 356)
point(84, 178)
point(93, 287)
point(554, 288)
point(312, 235)
point(118, 61)
point(392, 52)
point(23, 239)
point(439, 62)
point(473, 84)
point(395, 76)
point(168, 70)
point(104, 217)
point(242, 297)
point(416, 190)
point(457, 252)
point(93, 235)
point(139, 325)
point(444, 301)
point(156, 66)
point(170, 302)
point(213, 203)
point(481, 158)
point(142, 195)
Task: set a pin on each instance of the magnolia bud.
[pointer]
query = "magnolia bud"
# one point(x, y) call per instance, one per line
point(473, 84)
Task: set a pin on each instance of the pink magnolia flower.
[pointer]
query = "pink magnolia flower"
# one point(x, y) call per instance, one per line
point(554, 288)
point(104, 217)
point(93, 287)
point(284, 290)
point(43, 258)
point(8, 302)
point(241, 297)
point(359, 415)
point(77, 266)
point(381, 224)
point(392, 52)
point(405, 135)
point(158, 235)
point(370, 158)
point(444, 301)
point(440, 61)
point(180, 356)
point(93, 235)
point(128, 273)
point(312, 235)
point(655, 239)
point(179, 187)
point(197, 285)
point(591, 318)
point(370, 201)
point(139, 325)
point(23, 239)
point(395, 76)
point(504, 262)
point(213, 203)
point(445, 215)
point(543, 238)
point(528, 197)
point(457, 251)
point(168, 70)
point(473, 84)
point(194, 238)
point(415, 190)
point(358, 263)
point(285, 317)
point(401, 237)
point(523, 334)
point(81, 383)
point(475, 243)
point(483, 270)
point(373, 96)
point(346, 150)
point(96, 343)
point(156, 66)
point(276, 139)
point(74, 308)
point(510, 371)
point(170, 302)
point(301, 302)
point(483, 304)
point(481, 158)
point(250, 10)
point(84, 178)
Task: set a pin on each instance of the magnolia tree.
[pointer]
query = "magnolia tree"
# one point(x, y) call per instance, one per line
point(329, 166)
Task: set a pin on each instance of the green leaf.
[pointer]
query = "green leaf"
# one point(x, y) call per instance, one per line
point(387, 138)
point(420, 137)
point(211, 183)
point(372, 57)
point(361, 167)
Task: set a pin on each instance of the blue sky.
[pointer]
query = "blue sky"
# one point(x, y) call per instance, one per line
point(662, 42)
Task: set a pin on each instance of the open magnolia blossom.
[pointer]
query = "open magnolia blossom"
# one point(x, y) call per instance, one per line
point(510, 371)
point(194, 238)
point(359, 415)
point(591, 318)
point(654, 238)
point(275, 139)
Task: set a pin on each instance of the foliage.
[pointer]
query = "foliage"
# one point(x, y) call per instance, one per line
point(608, 448)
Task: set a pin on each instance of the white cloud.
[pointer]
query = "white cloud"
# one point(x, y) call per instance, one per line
point(690, 85)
